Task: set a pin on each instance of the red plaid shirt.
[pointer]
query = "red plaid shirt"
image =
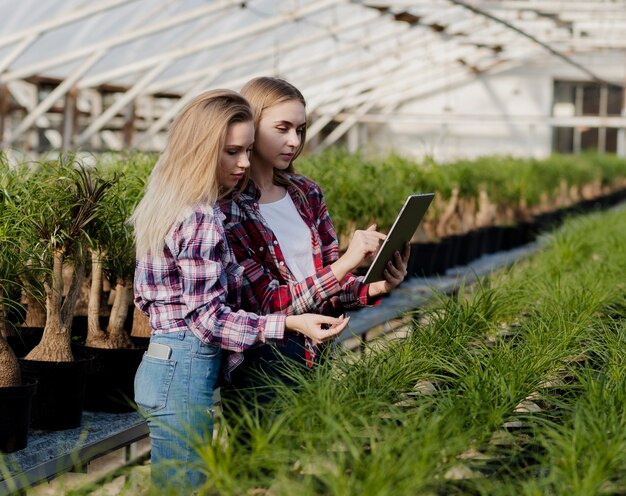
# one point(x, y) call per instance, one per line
point(268, 284)
point(186, 287)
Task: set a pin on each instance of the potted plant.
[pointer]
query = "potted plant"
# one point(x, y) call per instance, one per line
point(110, 383)
point(61, 203)
point(15, 395)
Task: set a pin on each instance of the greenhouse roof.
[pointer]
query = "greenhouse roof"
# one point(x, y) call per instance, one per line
point(346, 56)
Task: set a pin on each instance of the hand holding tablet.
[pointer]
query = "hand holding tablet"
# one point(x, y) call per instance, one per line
point(401, 232)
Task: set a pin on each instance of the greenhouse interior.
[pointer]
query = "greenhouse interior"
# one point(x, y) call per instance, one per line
point(313, 247)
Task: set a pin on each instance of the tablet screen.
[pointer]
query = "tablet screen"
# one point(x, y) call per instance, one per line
point(401, 231)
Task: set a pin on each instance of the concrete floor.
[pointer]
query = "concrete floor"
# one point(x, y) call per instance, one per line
point(136, 483)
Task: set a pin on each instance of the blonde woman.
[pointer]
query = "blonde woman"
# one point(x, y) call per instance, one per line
point(187, 276)
point(282, 234)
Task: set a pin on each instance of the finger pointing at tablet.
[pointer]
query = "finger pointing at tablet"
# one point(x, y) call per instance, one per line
point(364, 244)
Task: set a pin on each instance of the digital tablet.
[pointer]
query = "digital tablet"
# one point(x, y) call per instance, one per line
point(401, 231)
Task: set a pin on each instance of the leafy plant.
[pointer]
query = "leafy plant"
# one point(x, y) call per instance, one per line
point(62, 203)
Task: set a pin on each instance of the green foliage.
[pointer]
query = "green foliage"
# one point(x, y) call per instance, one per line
point(359, 191)
point(58, 201)
point(110, 234)
point(14, 254)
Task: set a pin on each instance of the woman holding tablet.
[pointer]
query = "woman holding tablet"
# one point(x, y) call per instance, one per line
point(185, 277)
point(282, 235)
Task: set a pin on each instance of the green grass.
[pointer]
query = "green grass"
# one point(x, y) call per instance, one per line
point(525, 393)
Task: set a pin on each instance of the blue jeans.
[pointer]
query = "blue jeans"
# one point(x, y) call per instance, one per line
point(176, 396)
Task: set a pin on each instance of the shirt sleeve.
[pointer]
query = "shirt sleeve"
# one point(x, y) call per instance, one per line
point(198, 246)
point(353, 292)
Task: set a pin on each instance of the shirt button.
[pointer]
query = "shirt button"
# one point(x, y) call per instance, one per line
point(260, 248)
point(281, 263)
point(275, 242)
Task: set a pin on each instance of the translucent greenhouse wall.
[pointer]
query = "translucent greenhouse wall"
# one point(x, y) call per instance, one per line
point(507, 113)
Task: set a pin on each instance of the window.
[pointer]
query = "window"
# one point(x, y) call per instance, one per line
point(585, 99)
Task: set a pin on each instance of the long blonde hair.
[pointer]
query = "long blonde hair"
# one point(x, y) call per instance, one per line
point(264, 92)
point(186, 173)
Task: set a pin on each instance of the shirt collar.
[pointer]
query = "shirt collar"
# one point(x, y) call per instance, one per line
point(251, 191)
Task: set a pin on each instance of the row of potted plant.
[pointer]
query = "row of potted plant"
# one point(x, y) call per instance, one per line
point(481, 206)
point(64, 219)
point(64, 222)
point(487, 191)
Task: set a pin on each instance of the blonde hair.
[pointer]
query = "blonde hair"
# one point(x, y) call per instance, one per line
point(186, 173)
point(264, 92)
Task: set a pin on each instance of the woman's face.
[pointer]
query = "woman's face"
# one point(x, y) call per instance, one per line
point(279, 134)
point(235, 156)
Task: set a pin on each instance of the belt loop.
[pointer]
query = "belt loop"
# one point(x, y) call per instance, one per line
point(181, 335)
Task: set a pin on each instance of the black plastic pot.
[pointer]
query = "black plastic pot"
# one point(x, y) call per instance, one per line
point(547, 221)
point(423, 261)
point(441, 257)
point(492, 236)
point(110, 381)
point(15, 416)
point(465, 250)
point(526, 233)
point(508, 237)
point(79, 327)
point(58, 403)
point(473, 246)
point(79, 324)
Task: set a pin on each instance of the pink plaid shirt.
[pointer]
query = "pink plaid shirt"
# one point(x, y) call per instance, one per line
point(189, 283)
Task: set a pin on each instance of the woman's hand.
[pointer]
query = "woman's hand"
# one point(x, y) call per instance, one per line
point(363, 244)
point(394, 273)
point(317, 327)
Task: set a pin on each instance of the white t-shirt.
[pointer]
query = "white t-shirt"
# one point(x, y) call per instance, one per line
point(293, 235)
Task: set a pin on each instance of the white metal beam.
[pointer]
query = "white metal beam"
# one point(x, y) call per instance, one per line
point(365, 74)
point(442, 82)
point(412, 61)
point(391, 93)
point(244, 59)
point(166, 59)
point(376, 97)
point(17, 51)
point(117, 40)
point(342, 128)
point(256, 28)
point(126, 98)
point(65, 18)
point(558, 6)
point(205, 76)
point(54, 95)
point(365, 101)
point(65, 86)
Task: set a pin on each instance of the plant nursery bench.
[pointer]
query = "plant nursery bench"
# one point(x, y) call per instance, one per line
point(50, 453)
